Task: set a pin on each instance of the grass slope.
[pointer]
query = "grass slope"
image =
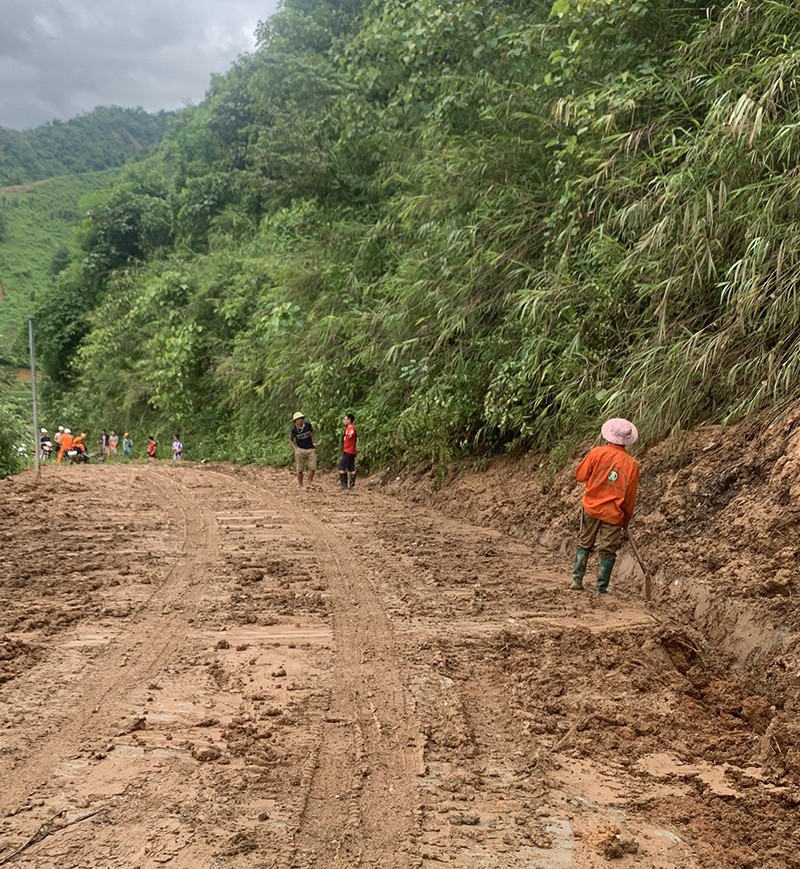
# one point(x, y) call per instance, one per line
point(40, 219)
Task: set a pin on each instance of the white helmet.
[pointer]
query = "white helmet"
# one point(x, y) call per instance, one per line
point(67, 431)
point(61, 428)
point(44, 431)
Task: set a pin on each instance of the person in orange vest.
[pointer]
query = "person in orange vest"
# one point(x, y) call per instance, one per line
point(79, 442)
point(66, 443)
point(612, 481)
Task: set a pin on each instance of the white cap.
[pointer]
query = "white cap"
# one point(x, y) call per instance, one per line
point(44, 431)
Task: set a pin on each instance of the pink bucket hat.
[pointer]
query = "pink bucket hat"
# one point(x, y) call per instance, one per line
point(619, 431)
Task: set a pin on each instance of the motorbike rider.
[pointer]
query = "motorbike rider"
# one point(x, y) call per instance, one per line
point(78, 444)
point(66, 443)
point(45, 444)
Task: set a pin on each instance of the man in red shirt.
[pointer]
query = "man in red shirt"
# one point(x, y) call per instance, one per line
point(347, 463)
point(612, 479)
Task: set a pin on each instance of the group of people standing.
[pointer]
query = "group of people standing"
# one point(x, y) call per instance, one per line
point(109, 444)
point(301, 437)
point(63, 440)
point(177, 448)
point(609, 473)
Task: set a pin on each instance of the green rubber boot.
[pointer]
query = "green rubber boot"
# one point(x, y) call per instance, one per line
point(579, 568)
point(604, 576)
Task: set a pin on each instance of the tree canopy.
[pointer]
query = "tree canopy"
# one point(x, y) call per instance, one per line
point(107, 137)
point(478, 225)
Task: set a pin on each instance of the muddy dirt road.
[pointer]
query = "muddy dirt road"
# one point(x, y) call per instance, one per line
point(201, 666)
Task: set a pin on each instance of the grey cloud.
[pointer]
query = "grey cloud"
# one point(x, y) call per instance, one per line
point(59, 58)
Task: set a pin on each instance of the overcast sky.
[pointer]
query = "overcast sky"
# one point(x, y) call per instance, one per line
point(60, 58)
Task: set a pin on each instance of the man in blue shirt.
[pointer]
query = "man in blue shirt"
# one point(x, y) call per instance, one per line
point(301, 438)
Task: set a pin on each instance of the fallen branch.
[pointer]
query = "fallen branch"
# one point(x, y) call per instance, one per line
point(576, 725)
point(48, 828)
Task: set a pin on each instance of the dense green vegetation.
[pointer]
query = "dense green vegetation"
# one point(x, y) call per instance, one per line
point(46, 172)
point(479, 225)
point(16, 433)
point(37, 228)
point(102, 139)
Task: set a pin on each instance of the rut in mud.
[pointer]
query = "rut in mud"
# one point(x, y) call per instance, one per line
point(201, 666)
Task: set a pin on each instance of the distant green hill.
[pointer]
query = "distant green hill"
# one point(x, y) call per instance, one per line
point(104, 138)
point(37, 222)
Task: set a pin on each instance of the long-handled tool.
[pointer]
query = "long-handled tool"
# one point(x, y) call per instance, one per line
point(648, 585)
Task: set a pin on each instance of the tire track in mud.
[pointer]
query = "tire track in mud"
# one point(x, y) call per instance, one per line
point(444, 779)
point(359, 796)
point(370, 695)
point(149, 638)
point(465, 601)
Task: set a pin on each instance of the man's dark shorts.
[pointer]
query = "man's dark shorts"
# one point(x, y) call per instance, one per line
point(347, 462)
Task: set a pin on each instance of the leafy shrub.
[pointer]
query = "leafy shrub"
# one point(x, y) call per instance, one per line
point(12, 437)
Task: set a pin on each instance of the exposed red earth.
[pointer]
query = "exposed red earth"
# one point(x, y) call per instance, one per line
point(201, 666)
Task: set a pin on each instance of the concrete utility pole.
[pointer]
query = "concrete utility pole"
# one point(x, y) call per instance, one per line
point(36, 441)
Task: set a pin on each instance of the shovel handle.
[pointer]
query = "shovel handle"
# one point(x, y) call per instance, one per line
point(648, 585)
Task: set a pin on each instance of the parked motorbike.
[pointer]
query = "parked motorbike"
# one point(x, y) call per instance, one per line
point(76, 456)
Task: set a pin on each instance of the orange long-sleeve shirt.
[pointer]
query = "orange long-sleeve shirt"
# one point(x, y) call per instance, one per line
point(66, 443)
point(612, 480)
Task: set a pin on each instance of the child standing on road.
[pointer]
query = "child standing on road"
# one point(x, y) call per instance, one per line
point(347, 463)
point(177, 448)
point(151, 447)
point(612, 480)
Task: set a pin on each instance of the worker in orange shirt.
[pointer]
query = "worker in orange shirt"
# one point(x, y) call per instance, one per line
point(79, 443)
point(66, 443)
point(612, 480)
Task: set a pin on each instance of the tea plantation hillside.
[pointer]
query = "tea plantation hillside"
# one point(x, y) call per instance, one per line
point(37, 222)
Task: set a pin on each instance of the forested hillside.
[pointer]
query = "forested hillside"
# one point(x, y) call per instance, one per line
point(37, 228)
point(104, 138)
point(479, 225)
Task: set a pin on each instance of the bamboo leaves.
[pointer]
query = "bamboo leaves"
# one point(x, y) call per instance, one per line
point(499, 221)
